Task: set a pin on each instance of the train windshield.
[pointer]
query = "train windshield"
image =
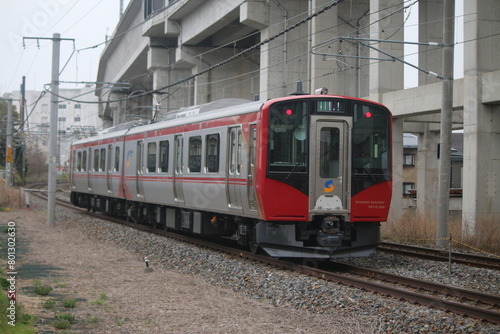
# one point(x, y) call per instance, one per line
point(371, 140)
point(288, 124)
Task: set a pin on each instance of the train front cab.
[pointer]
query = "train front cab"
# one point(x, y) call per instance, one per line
point(328, 178)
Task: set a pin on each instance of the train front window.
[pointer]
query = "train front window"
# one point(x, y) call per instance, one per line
point(371, 140)
point(288, 124)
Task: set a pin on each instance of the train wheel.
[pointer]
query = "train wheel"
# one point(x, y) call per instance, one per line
point(254, 246)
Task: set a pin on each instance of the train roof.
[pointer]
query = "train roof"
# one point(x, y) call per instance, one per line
point(200, 113)
point(189, 115)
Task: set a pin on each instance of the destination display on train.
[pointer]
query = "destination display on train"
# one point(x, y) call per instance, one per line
point(331, 106)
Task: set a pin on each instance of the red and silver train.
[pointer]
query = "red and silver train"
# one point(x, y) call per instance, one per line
point(304, 176)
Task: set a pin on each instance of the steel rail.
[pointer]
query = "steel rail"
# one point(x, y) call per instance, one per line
point(440, 255)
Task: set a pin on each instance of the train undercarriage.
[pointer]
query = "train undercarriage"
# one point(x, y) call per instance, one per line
point(324, 238)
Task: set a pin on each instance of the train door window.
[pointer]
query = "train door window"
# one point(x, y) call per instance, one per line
point(96, 160)
point(102, 162)
point(139, 156)
point(329, 152)
point(84, 161)
point(232, 154)
point(178, 154)
point(151, 157)
point(79, 161)
point(238, 165)
point(164, 148)
point(108, 158)
point(117, 158)
point(212, 153)
point(194, 158)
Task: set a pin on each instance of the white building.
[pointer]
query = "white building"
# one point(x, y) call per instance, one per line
point(74, 119)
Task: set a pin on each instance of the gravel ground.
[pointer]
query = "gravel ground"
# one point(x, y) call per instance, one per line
point(261, 299)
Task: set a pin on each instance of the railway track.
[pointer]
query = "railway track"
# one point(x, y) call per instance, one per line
point(441, 297)
point(441, 255)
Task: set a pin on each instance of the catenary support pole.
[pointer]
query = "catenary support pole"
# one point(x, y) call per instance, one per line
point(446, 122)
point(8, 155)
point(54, 105)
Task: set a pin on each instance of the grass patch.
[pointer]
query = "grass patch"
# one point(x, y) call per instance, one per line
point(65, 316)
point(61, 324)
point(69, 303)
point(92, 320)
point(48, 304)
point(100, 301)
point(36, 282)
point(24, 322)
point(60, 284)
point(4, 283)
point(42, 290)
point(415, 228)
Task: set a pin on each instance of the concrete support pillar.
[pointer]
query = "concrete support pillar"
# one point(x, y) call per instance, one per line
point(341, 75)
point(236, 78)
point(430, 29)
point(386, 76)
point(481, 184)
point(397, 170)
point(428, 172)
point(284, 60)
point(159, 63)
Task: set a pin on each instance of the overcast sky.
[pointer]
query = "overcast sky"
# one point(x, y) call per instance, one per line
point(87, 22)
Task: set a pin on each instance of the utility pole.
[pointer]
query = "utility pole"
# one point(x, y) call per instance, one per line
point(54, 106)
point(22, 104)
point(446, 128)
point(8, 155)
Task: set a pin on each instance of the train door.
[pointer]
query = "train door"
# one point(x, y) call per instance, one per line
point(88, 165)
point(251, 167)
point(109, 170)
point(233, 176)
point(329, 162)
point(178, 169)
point(140, 169)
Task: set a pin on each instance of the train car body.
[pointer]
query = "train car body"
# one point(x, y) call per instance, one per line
point(305, 176)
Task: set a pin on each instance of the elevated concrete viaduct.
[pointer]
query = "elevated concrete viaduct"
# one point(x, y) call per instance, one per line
point(179, 53)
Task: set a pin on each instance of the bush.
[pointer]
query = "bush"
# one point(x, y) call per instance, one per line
point(42, 290)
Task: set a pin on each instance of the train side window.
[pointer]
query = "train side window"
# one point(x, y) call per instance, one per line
point(235, 151)
point(84, 161)
point(117, 159)
point(212, 153)
point(164, 148)
point(96, 160)
point(194, 163)
point(253, 146)
point(102, 165)
point(79, 162)
point(151, 157)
